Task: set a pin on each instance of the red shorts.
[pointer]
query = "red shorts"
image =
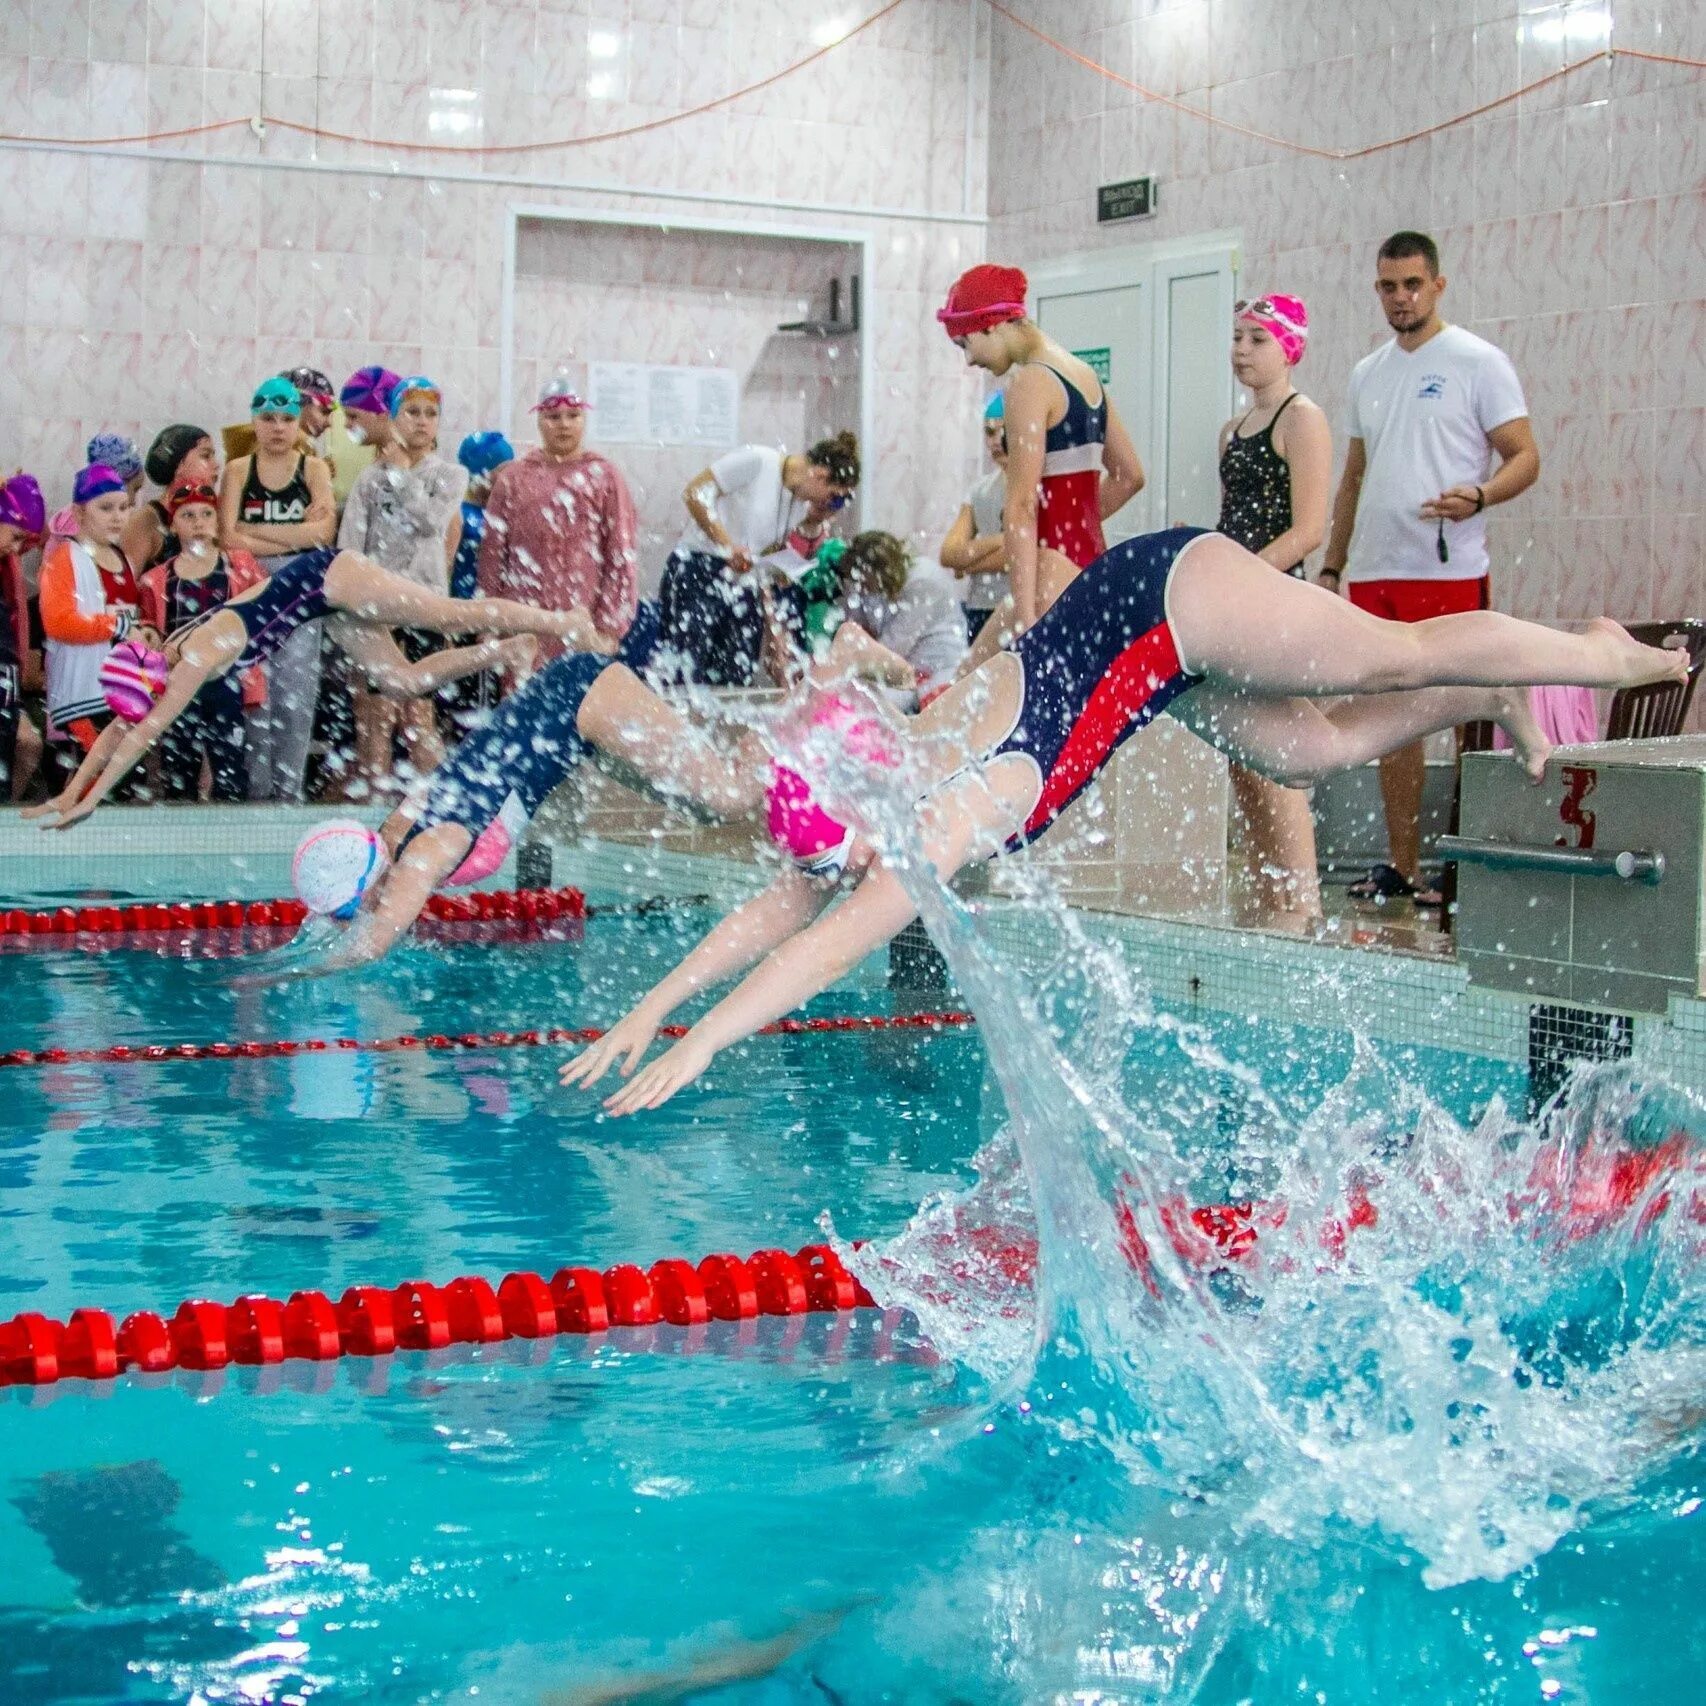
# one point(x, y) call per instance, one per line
point(1419, 601)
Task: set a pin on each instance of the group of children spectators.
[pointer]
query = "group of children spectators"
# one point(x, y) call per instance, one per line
point(153, 540)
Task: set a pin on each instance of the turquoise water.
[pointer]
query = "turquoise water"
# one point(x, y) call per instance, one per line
point(539, 1522)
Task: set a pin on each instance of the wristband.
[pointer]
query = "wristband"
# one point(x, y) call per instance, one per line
point(1337, 574)
point(1480, 500)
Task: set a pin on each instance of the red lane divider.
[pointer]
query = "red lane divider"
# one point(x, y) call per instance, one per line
point(153, 1053)
point(371, 1321)
point(526, 906)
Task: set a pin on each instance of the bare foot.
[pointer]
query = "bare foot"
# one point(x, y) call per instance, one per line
point(1515, 715)
point(1637, 665)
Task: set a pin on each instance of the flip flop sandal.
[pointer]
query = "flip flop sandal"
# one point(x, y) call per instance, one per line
point(1384, 882)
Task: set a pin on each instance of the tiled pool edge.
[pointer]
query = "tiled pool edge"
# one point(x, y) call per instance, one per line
point(1403, 999)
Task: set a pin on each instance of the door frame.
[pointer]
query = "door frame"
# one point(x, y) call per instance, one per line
point(860, 238)
point(1152, 266)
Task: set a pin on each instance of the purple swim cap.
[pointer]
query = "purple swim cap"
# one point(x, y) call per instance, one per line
point(95, 481)
point(21, 504)
point(369, 390)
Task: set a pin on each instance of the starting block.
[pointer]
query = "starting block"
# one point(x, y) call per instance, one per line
point(1590, 888)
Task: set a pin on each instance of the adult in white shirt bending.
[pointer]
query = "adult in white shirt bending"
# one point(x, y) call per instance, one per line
point(749, 503)
point(975, 550)
point(1426, 416)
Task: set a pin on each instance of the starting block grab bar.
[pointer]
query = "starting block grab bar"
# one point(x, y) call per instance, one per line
point(1631, 865)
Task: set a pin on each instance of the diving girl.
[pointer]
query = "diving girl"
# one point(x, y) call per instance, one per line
point(1182, 621)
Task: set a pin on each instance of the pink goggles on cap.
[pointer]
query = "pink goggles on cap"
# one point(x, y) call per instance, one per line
point(1284, 318)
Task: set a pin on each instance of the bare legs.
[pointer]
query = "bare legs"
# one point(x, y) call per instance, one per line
point(1402, 776)
point(659, 747)
point(1274, 834)
point(1256, 632)
point(380, 659)
point(359, 586)
point(1296, 743)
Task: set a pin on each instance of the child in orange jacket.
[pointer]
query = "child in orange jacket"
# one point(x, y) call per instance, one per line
point(88, 603)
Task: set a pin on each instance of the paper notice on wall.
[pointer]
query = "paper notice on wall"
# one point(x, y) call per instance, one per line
point(639, 404)
point(618, 397)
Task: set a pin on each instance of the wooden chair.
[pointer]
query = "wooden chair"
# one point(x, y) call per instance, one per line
point(1661, 710)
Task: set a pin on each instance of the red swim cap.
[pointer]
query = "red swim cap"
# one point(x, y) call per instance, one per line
point(985, 296)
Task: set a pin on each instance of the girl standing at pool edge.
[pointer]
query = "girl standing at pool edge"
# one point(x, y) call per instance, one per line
point(1276, 472)
point(1070, 462)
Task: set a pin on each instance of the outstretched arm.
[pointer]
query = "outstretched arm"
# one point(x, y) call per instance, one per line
point(94, 762)
point(402, 895)
point(804, 965)
point(136, 740)
point(746, 935)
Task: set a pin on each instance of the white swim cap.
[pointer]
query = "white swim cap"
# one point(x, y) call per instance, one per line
point(336, 863)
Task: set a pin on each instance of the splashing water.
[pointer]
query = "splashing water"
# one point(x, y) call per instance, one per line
point(1455, 1342)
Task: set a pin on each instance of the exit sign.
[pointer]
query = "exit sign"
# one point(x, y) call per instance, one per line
point(1134, 199)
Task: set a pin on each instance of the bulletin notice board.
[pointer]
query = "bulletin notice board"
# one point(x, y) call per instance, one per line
point(636, 403)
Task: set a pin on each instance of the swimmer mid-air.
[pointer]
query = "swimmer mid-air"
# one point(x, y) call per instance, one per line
point(466, 816)
point(360, 602)
point(1181, 621)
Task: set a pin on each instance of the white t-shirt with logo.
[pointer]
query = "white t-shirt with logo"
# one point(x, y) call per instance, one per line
point(756, 510)
point(1423, 416)
point(986, 500)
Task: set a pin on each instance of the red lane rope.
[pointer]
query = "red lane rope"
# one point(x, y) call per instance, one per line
point(153, 1054)
point(371, 1321)
point(528, 906)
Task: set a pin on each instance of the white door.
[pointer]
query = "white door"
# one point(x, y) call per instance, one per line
point(1194, 387)
point(1157, 322)
point(1109, 329)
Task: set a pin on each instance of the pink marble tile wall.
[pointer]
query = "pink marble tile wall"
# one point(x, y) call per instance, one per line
point(1572, 224)
point(590, 293)
point(143, 289)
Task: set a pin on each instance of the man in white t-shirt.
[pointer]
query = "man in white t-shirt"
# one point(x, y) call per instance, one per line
point(1425, 417)
point(751, 502)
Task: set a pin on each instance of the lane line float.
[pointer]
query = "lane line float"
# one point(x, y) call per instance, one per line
point(373, 1321)
point(153, 1054)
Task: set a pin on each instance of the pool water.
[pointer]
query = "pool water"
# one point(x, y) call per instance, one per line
point(821, 1509)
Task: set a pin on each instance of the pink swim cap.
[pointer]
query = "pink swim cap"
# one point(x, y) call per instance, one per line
point(798, 824)
point(801, 827)
point(133, 676)
point(1284, 318)
point(491, 847)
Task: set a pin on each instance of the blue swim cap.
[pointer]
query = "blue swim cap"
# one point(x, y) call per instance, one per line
point(415, 383)
point(996, 408)
point(481, 452)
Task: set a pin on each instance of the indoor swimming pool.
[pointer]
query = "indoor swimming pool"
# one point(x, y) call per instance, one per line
point(823, 1507)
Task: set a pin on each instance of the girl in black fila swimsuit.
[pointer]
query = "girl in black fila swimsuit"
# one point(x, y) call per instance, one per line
point(1182, 621)
point(362, 602)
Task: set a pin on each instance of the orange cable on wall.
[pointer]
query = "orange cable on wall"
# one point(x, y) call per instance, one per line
point(1310, 149)
point(323, 134)
point(471, 148)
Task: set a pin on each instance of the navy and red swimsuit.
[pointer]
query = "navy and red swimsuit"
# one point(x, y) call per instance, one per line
point(1098, 665)
point(1069, 506)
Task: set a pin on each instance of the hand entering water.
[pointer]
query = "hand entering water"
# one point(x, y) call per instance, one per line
point(738, 1661)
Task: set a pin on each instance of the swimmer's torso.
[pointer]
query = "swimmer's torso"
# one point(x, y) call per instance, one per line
point(1069, 507)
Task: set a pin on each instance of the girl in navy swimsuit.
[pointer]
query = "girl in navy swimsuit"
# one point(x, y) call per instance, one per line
point(362, 603)
point(1183, 621)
